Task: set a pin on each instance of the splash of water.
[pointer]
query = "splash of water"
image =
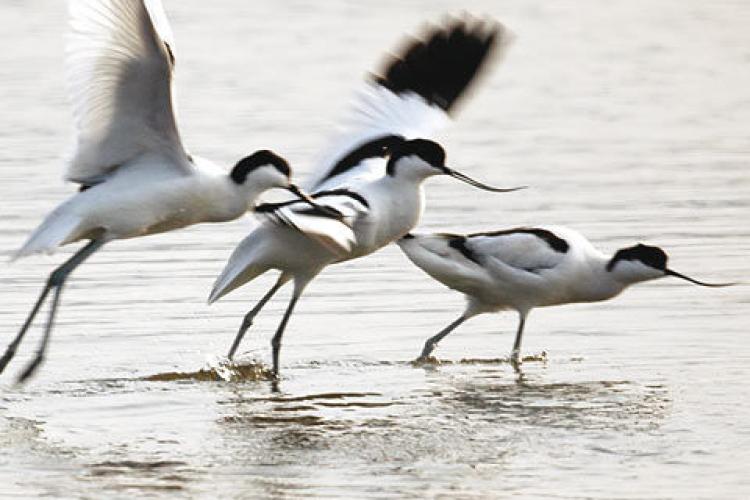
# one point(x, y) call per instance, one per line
point(219, 369)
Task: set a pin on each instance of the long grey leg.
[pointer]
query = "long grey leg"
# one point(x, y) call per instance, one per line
point(515, 355)
point(34, 364)
point(56, 280)
point(247, 322)
point(10, 351)
point(276, 340)
point(433, 341)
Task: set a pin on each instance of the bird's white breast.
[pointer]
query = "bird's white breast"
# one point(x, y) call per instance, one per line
point(143, 200)
point(395, 209)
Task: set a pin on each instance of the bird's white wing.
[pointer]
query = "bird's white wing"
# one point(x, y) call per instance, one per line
point(332, 225)
point(119, 67)
point(442, 256)
point(531, 250)
point(380, 122)
point(412, 97)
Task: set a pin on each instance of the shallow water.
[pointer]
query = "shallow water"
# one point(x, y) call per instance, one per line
point(629, 122)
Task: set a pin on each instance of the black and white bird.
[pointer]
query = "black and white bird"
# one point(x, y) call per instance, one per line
point(135, 176)
point(372, 180)
point(527, 267)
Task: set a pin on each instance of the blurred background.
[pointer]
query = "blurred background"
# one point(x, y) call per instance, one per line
point(628, 119)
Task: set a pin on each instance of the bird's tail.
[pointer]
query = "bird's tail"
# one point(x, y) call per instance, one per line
point(244, 265)
point(56, 229)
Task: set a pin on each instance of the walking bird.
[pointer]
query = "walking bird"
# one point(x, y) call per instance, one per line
point(529, 267)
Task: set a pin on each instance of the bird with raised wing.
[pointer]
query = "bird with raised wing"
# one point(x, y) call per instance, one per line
point(371, 180)
point(527, 267)
point(135, 176)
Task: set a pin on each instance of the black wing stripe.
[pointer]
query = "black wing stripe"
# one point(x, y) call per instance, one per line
point(459, 243)
point(272, 207)
point(379, 147)
point(342, 192)
point(555, 242)
point(326, 212)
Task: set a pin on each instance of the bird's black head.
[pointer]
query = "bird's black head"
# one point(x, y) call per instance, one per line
point(653, 257)
point(428, 151)
point(257, 160)
point(643, 262)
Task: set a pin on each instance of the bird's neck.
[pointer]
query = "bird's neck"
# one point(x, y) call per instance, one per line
point(231, 200)
point(611, 284)
point(407, 193)
point(398, 206)
point(599, 284)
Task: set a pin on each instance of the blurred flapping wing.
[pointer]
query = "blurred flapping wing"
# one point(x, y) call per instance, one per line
point(412, 97)
point(120, 65)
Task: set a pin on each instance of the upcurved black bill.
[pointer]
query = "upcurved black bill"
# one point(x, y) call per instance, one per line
point(468, 180)
point(294, 189)
point(669, 272)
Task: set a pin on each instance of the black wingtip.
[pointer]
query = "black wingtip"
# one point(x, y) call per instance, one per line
point(441, 64)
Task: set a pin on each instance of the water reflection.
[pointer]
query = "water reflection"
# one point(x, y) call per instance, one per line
point(621, 406)
point(448, 418)
point(139, 476)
